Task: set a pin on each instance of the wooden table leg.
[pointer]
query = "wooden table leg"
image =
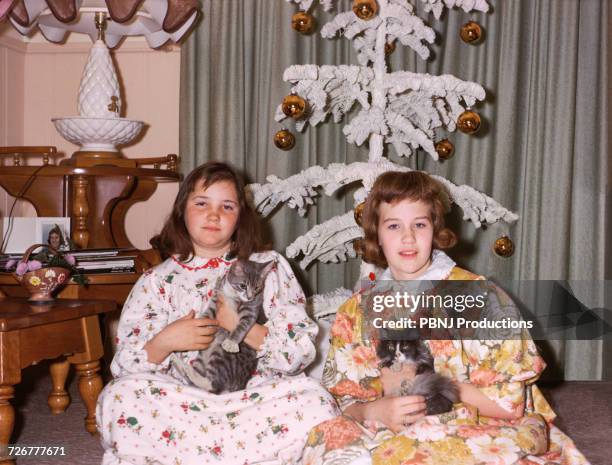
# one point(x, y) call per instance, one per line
point(87, 365)
point(7, 419)
point(90, 386)
point(59, 399)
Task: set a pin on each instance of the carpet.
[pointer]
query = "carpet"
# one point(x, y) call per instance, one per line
point(584, 409)
point(35, 425)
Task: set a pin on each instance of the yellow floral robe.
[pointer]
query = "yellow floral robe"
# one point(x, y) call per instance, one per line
point(504, 370)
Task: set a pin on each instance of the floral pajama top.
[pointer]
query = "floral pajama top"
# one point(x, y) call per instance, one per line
point(150, 415)
point(504, 370)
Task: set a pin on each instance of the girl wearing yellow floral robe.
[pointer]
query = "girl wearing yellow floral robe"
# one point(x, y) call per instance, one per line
point(498, 374)
point(503, 370)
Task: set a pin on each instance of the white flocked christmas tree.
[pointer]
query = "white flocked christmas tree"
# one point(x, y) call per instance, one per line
point(401, 109)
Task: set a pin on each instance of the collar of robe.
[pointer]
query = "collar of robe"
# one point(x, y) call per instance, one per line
point(195, 263)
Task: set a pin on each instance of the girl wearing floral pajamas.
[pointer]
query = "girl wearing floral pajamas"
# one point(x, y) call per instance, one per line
point(502, 419)
point(149, 414)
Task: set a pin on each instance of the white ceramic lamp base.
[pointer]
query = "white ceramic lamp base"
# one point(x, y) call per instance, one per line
point(99, 127)
point(98, 134)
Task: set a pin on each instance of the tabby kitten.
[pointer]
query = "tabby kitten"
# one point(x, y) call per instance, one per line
point(440, 392)
point(228, 363)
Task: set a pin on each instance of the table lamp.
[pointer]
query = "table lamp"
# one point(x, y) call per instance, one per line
point(99, 130)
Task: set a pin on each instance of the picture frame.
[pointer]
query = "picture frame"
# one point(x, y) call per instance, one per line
point(54, 231)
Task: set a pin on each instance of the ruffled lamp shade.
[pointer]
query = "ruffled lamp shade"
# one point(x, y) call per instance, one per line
point(157, 20)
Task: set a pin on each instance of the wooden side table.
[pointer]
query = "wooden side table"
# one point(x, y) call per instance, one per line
point(67, 330)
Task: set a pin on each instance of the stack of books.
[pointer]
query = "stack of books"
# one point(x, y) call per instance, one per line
point(92, 261)
point(96, 261)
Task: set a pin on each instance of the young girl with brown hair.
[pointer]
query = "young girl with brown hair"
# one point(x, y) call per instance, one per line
point(502, 419)
point(148, 413)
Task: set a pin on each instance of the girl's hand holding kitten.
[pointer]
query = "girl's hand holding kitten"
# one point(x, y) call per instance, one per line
point(398, 412)
point(186, 333)
point(395, 412)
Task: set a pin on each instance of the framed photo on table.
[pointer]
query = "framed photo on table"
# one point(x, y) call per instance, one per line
point(54, 231)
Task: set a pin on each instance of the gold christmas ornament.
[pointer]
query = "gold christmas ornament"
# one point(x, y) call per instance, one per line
point(294, 106)
point(365, 9)
point(284, 139)
point(471, 32)
point(303, 22)
point(358, 212)
point(504, 247)
point(469, 122)
point(445, 149)
point(389, 48)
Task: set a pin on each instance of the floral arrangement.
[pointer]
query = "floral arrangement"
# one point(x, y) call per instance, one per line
point(46, 258)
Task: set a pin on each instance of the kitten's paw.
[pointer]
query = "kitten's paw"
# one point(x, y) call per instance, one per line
point(230, 346)
point(204, 383)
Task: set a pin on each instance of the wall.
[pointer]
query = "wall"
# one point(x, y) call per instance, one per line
point(12, 90)
point(40, 80)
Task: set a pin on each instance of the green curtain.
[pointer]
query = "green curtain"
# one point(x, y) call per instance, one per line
point(541, 152)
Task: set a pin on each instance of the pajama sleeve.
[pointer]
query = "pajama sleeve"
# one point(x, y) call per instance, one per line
point(289, 345)
point(503, 369)
point(351, 371)
point(145, 313)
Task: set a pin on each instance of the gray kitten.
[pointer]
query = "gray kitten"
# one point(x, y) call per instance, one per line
point(228, 363)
